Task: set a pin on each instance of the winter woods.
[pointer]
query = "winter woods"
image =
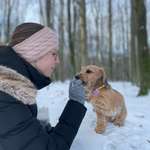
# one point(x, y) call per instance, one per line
point(113, 34)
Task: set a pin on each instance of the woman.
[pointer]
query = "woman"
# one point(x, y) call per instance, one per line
point(25, 67)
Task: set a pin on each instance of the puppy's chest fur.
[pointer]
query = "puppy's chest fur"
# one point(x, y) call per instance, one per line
point(106, 102)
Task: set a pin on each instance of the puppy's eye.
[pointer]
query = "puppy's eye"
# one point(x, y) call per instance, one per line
point(88, 71)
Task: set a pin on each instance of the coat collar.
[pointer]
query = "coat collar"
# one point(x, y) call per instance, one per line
point(16, 85)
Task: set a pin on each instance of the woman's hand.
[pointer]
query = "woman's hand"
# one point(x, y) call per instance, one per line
point(77, 91)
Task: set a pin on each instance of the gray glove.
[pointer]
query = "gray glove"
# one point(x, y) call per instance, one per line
point(76, 91)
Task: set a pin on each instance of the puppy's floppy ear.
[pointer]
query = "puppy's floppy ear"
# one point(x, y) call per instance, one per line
point(103, 75)
point(98, 83)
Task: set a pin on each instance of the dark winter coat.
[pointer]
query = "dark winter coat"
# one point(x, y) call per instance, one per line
point(19, 127)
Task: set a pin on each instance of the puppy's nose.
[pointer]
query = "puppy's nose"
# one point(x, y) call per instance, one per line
point(77, 76)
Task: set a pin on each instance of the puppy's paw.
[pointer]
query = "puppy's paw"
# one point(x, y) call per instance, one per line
point(118, 123)
point(99, 131)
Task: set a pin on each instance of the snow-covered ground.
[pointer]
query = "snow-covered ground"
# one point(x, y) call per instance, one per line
point(135, 135)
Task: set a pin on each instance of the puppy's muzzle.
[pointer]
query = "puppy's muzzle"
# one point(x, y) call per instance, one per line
point(77, 76)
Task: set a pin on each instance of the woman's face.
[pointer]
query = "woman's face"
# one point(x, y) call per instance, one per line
point(47, 63)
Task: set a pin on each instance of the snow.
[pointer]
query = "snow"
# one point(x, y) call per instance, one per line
point(134, 135)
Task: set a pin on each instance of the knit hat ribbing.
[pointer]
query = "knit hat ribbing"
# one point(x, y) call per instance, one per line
point(37, 45)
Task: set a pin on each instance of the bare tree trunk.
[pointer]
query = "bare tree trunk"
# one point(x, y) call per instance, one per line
point(102, 43)
point(11, 11)
point(134, 48)
point(75, 34)
point(61, 40)
point(10, 21)
point(46, 8)
point(96, 15)
point(8, 10)
point(42, 15)
point(1, 21)
point(144, 56)
point(110, 39)
point(123, 43)
point(127, 36)
point(97, 42)
point(71, 39)
point(48, 12)
point(83, 34)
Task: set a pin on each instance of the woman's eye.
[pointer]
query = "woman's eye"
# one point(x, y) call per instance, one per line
point(88, 71)
point(54, 54)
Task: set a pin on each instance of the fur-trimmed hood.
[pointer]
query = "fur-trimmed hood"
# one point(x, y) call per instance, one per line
point(16, 85)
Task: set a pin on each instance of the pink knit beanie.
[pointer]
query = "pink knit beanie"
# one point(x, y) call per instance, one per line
point(37, 45)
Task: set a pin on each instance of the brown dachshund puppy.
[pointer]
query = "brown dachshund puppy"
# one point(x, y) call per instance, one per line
point(108, 104)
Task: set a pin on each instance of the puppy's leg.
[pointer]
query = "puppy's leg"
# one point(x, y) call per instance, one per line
point(119, 120)
point(101, 123)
